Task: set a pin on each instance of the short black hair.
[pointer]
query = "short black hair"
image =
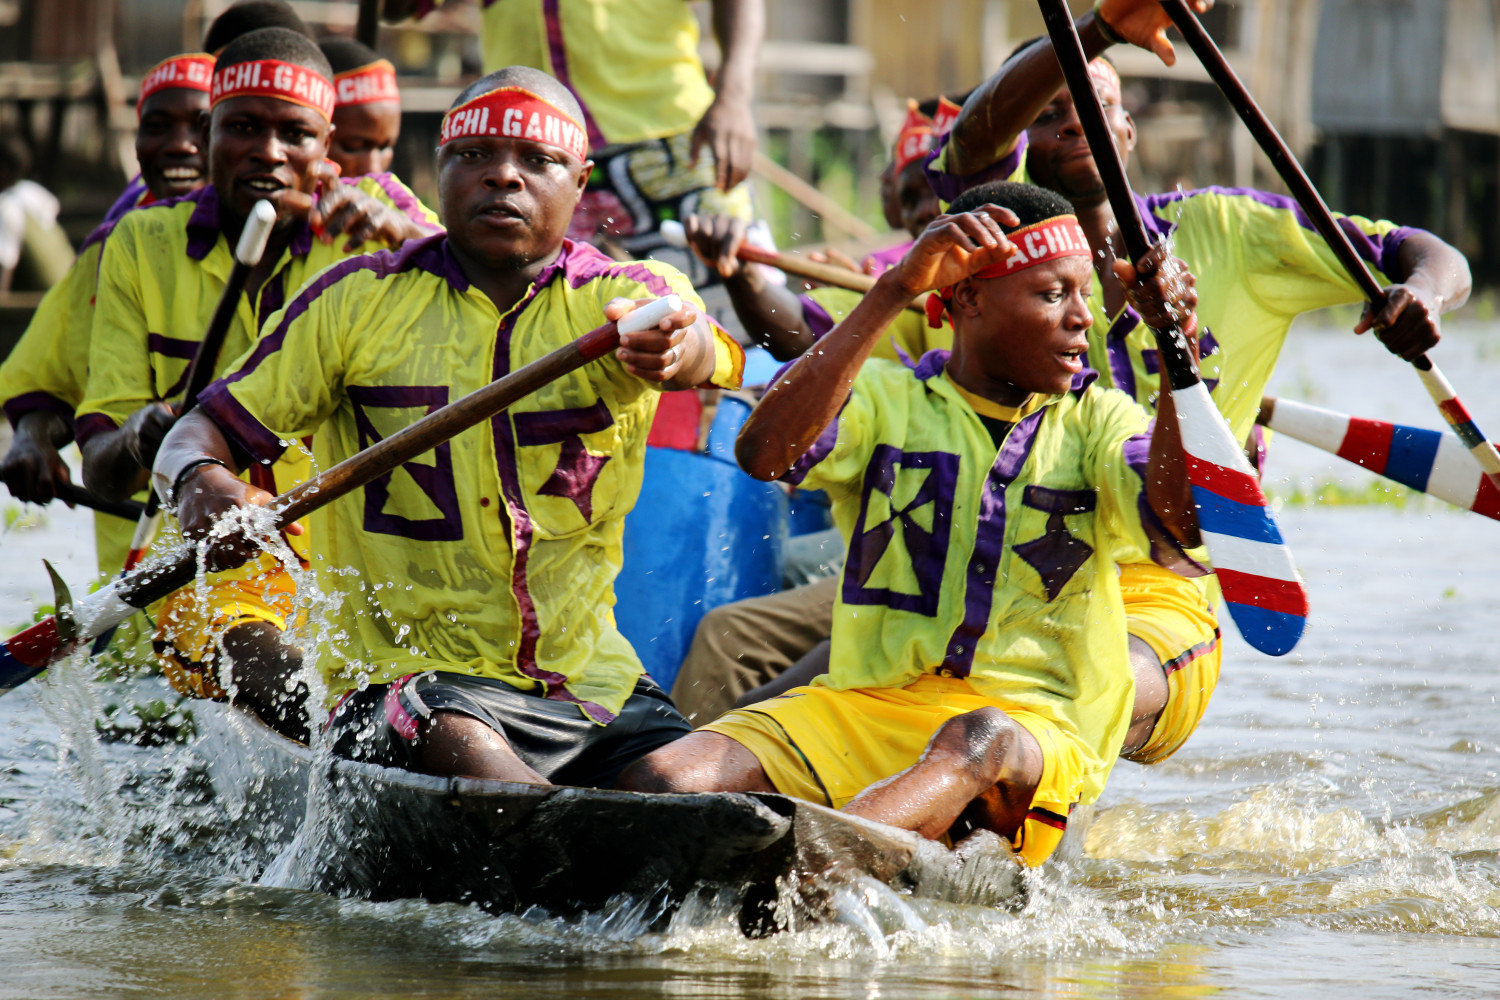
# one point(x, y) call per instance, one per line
point(252, 15)
point(1032, 204)
point(275, 43)
point(345, 54)
point(534, 80)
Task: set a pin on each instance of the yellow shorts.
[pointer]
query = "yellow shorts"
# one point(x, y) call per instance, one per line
point(827, 746)
point(189, 627)
point(1173, 617)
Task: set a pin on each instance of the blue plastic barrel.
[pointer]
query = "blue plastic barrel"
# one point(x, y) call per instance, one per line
point(702, 534)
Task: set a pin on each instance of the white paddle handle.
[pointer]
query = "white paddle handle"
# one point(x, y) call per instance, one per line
point(649, 315)
point(671, 230)
point(256, 233)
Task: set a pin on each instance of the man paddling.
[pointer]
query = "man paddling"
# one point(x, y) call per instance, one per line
point(979, 673)
point(42, 380)
point(160, 278)
point(1258, 262)
point(474, 633)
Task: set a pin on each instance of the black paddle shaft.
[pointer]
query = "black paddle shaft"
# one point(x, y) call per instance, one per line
point(1176, 360)
point(74, 494)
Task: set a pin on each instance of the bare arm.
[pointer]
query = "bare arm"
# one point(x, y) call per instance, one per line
point(1433, 278)
point(771, 314)
point(1164, 292)
point(807, 398)
point(32, 469)
point(727, 128)
point(116, 463)
point(1006, 104)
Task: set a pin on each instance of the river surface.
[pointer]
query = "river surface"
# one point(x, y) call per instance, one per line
point(1332, 829)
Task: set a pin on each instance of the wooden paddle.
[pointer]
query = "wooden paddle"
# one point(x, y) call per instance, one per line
point(1316, 210)
point(28, 653)
point(72, 493)
point(1265, 594)
point(367, 24)
point(829, 274)
point(247, 254)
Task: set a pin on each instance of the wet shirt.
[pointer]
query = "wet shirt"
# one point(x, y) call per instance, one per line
point(908, 336)
point(494, 554)
point(983, 562)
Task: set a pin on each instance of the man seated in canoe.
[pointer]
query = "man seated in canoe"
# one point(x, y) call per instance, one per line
point(163, 270)
point(1259, 264)
point(761, 644)
point(474, 631)
point(366, 108)
point(979, 674)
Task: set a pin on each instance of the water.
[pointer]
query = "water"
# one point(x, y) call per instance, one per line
point(1334, 824)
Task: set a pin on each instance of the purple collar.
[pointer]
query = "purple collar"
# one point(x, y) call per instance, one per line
point(203, 226)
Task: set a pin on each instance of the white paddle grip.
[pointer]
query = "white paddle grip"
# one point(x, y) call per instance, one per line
point(671, 230)
point(646, 317)
point(256, 233)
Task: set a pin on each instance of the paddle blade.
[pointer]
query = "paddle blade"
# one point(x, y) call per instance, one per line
point(27, 653)
point(1264, 592)
point(1429, 461)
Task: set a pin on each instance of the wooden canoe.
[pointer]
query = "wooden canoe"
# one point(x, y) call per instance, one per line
point(324, 823)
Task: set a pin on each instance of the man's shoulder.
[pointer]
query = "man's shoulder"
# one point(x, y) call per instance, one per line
point(416, 263)
point(582, 266)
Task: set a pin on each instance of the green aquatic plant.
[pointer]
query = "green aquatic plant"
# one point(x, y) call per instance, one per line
point(1333, 493)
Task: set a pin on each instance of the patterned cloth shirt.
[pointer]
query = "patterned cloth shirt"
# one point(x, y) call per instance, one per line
point(496, 553)
point(990, 564)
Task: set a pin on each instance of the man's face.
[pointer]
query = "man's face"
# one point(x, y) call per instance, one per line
point(1029, 328)
point(1058, 155)
point(168, 142)
point(508, 202)
point(364, 137)
point(919, 204)
point(262, 148)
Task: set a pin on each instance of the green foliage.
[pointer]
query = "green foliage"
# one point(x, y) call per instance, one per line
point(1332, 493)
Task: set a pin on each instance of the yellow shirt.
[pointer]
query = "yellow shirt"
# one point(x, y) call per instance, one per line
point(496, 553)
point(991, 564)
point(632, 64)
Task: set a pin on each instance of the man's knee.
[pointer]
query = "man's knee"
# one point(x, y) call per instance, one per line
point(986, 743)
point(699, 762)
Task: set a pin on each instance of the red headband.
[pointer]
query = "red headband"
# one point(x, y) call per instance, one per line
point(945, 116)
point(274, 78)
point(1103, 74)
point(189, 72)
point(914, 141)
point(515, 113)
point(366, 85)
point(1038, 243)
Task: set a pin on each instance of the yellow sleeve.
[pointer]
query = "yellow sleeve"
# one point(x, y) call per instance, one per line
point(119, 366)
point(48, 367)
point(291, 380)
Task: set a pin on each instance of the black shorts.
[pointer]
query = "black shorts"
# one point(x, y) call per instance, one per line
point(380, 725)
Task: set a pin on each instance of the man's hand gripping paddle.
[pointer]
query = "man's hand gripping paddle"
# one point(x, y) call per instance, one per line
point(1316, 210)
point(200, 372)
point(1265, 594)
point(28, 653)
point(829, 274)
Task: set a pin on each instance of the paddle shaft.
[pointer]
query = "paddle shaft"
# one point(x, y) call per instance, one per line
point(1176, 360)
point(72, 493)
point(828, 274)
point(367, 24)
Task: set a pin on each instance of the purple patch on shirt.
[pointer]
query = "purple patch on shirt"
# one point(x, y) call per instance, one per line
point(925, 550)
point(436, 481)
point(1057, 555)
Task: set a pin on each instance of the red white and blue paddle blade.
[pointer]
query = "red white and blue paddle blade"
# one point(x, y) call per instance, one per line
point(1265, 594)
point(1430, 461)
